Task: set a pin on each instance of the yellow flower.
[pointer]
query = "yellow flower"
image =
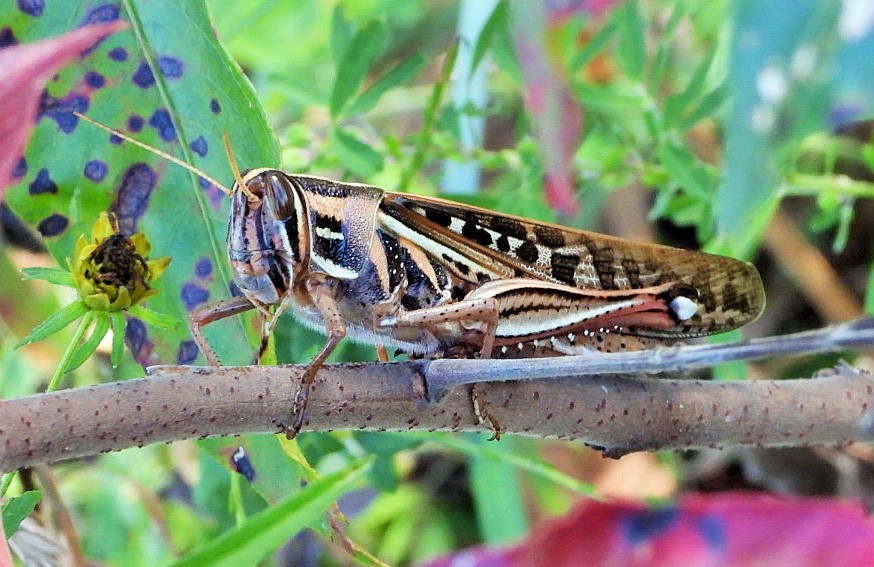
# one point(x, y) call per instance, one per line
point(112, 271)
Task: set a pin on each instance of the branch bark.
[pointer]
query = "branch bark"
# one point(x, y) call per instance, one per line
point(617, 413)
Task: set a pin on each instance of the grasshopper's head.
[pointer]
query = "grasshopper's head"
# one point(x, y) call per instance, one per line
point(266, 234)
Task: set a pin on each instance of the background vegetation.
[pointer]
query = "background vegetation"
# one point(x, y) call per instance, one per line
point(612, 117)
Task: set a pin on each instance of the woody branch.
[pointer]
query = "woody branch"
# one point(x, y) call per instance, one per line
point(618, 413)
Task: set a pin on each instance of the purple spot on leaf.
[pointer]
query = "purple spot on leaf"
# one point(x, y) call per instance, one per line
point(199, 146)
point(137, 338)
point(20, 169)
point(42, 184)
point(96, 170)
point(187, 352)
point(143, 76)
point(642, 526)
point(100, 15)
point(215, 106)
point(203, 268)
point(94, 79)
point(161, 122)
point(118, 54)
point(113, 139)
point(61, 109)
point(135, 123)
point(7, 38)
point(712, 531)
point(32, 7)
point(243, 465)
point(193, 295)
point(53, 225)
point(132, 197)
point(213, 193)
point(170, 67)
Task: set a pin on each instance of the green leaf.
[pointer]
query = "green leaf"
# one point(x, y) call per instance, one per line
point(54, 323)
point(665, 50)
point(678, 105)
point(55, 276)
point(594, 46)
point(400, 75)
point(869, 291)
point(89, 346)
point(686, 170)
point(610, 98)
point(708, 105)
point(352, 68)
point(341, 34)
point(631, 49)
point(498, 21)
point(498, 498)
point(471, 447)
point(383, 476)
point(270, 528)
point(272, 466)
point(170, 84)
point(358, 157)
point(153, 318)
point(17, 509)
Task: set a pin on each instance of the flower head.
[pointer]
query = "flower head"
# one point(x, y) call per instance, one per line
point(112, 271)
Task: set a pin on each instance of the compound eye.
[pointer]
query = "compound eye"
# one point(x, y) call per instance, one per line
point(255, 186)
point(280, 194)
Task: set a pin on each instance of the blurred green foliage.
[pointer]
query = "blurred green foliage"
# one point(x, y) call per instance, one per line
point(343, 85)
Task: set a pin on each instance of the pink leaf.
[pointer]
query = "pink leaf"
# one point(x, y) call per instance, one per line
point(727, 530)
point(562, 9)
point(5, 554)
point(556, 117)
point(26, 68)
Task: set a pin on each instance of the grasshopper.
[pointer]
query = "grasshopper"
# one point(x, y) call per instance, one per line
point(436, 278)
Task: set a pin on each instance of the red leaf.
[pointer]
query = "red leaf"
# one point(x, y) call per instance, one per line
point(26, 68)
point(729, 530)
point(556, 118)
point(564, 9)
point(5, 554)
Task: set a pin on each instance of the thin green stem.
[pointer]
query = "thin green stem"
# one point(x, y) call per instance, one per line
point(235, 501)
point(799, 184)
point(71, 348)
point(7, 482)
point(428, 119)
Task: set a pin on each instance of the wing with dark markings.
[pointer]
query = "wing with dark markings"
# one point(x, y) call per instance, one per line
point(730, 291)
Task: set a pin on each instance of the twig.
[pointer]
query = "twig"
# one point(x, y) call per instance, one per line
point(445, 374)
point(810, 271)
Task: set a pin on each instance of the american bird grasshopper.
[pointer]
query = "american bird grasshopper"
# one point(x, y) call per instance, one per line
point(435, 278)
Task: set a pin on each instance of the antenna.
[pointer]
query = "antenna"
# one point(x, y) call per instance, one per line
point(168, 157)
point(235, 168)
